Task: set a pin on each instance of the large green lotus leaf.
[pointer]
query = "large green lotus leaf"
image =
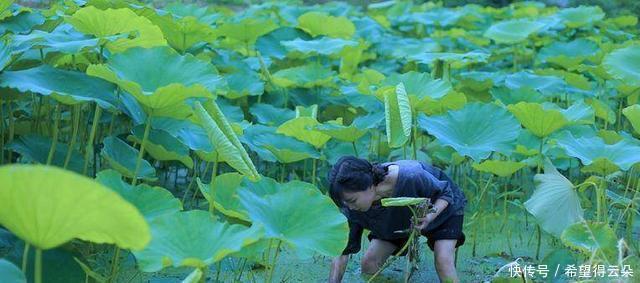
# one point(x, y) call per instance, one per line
point(162, 146)
point(623, 154)
point(535, 118)
point(189, 134)
point(623, 64)
point(247, 30)
point(555, 202)
point(48, 206)
point(64, 38)
point(499, 167)
point(302, 128)
point(579, 113)
point(459, 58)
point(224, 189)
point(579, 81)
point(568, 54)
point(11, 273)
point(602, 110)
point(224, 139)
point(36, 148)
point(274, 147)
point(150, 201)
point(269, 44)
point(104, 23)
point(122, 157)
point(592, 238)
point(344, 133)
point(322, 46)
point(22, 21)
point(420, 88)
point(543, 84)
point(302, 217)
point(194, 239)
point(319, 23)
point(159, 77)
point(580, 16)
point(307, 76)
point(475, 131)
point(398, 116)
point(68, 87)
point(512, 31)
point(402, 201)
point(452, 101)
point(270, 115)
point(512, 96)
point(633, 115)
point(243, 83)
point(181, 33)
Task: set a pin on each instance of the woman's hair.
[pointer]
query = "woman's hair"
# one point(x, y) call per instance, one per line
point(352, 174)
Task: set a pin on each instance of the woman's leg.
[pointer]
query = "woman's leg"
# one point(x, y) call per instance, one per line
point(376, 255)
point(444, 257)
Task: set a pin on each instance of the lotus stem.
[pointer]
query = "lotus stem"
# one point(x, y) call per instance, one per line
point(25, 257)
point(204, 270)
point(313, 171)
point(539, 241)
point(37, 113)
point(114, 115)
point(89, 149)
point(2, 133)
point(218, 269)
point(274, 262)
point(115, 262)
point(38, 266)
point(11, 127)
point(355, 150)
point(214, 172)
point(414, 142)
point(54, 138)
point(74, 135)
point(541, 156)
point(282, 168)
point(145, 136)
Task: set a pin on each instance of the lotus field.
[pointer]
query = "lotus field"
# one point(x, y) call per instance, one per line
point(191, 142)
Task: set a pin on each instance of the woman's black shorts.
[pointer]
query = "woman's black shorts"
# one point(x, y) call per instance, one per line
point(449, 229)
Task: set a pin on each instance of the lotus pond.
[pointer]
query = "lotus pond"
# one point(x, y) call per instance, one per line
point(174, 142)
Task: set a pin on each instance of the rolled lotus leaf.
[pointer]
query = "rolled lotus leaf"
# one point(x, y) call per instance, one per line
point(402, 201)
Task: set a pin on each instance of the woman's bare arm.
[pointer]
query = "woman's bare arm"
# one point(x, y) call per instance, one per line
point(338, 266)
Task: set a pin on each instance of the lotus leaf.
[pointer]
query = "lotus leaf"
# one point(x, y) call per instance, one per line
point(302, 128)
point(48, 206)
point(150, 201)
point(159, 77)
point(460, 58)
point(277, 147)
point(344, 133)
point(398, 117)
point(602, 110)
point(581, 16)
point(162, 146)
point(301, 217)
point(536, 119)
point(36, 148)
point(568, 54)
point(269, 44)
point(270, 115)
point(555, 202)
point(181, 33)
point(623, 64)
point(307, 76)
point(592, 238)
point(633, 115)
point(322, 46)
point(193, 238)
point(11, 273)
point(105, 23)
point(512, 31)
point(499, 167)
point(402, 201)
point(590, 150)
point(475, 131)
point(122, 157)
point(246, 30)
point(318, 23)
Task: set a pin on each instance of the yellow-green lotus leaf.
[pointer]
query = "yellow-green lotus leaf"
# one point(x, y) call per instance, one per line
point(302, 128)
point(47, 206)
point(103, 23)
point(397, 113)
point(499, 167)
point(633, 115)
point(541, 122)
point(318, 23)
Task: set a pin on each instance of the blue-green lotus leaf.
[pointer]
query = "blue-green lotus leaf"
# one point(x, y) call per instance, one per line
point(68, 87)
point(581, 16)
point(269, 44)
point(512, 96)
point(475, 131)
point(35, 148)
point(159, 77)
point(401, 47)
point(633, 115)
point(189, 134)
point(273, 147)
point(301, 217)
point(123, 157)
point(568, 54)
point(321, 46)
point(623, 64)
point(6, 49)
point(11, 273)
point(513, 31)
point(47, 206)
point(150, 201)
point(543, 84)
point(593, 239)
point(555, 202)
point(64, 38)
point(307, 76)
point(243, 83)
point(579, 113)
point(270, 115)
point(194, 239)
point(623, 154)
point(420, 87)
point(22, 22)
point(460, 58)
point(162, 146)
point(338, 131)
point(246, 30)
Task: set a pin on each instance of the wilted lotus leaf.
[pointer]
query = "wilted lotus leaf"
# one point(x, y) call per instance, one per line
point(193, 238)
point(105, 23)
point(301, 217)
point(475, 131)
point(555, 202)
point(159, 77)
point(48, 206)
